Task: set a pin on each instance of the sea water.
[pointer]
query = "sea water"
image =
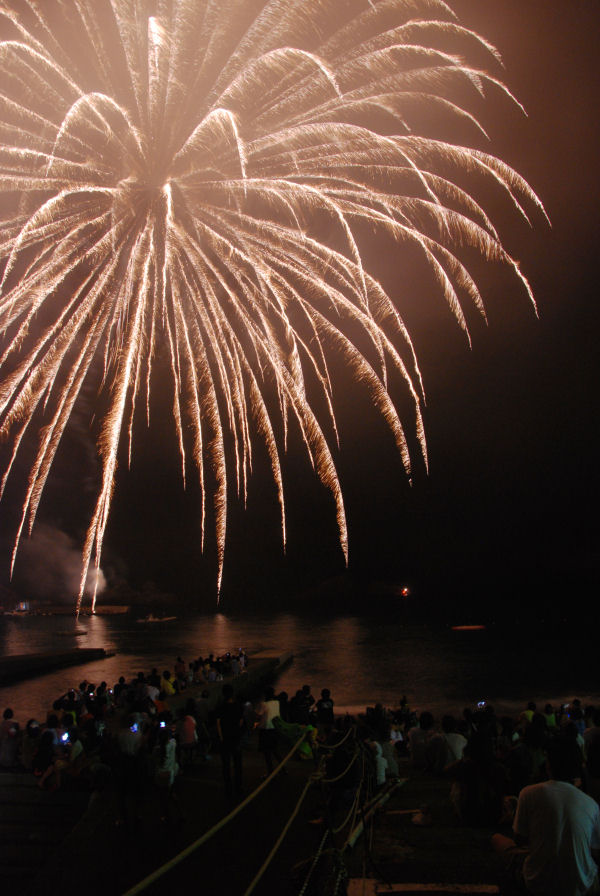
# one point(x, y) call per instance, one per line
point(362, 659)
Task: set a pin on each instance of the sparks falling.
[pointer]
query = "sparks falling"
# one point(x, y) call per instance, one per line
point(167, 170)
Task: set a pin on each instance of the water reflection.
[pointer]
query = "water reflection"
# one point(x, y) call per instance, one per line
point(362, 660)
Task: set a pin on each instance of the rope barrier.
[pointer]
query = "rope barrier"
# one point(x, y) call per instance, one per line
point(368, 807)
point(342, 874)
point(332, 747)
point(338, 862)
point(314, 863)
point(341, 775)
point(379, 800)
point(351, 813)
point(279, 840)
point(364, 802)
point(172, 863)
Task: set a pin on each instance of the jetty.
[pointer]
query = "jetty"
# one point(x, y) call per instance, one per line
point(29, 665)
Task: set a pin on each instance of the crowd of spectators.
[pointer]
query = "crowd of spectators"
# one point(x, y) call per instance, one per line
point(148, 729)
point(489, 758)
point(136, 731)
point(535, 777)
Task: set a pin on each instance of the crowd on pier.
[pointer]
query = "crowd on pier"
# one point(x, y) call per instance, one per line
point(147, 729)
point(144, 732)
point(149, 710)
point(140, 728)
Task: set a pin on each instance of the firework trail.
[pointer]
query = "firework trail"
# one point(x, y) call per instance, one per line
point(166, 168)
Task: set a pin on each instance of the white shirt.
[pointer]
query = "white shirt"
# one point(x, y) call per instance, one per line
point(456, 746)
point(268, 711)
point(562, 825)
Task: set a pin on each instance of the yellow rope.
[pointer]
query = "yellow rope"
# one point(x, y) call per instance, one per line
point(279, 840)
point(341, 775)
point(351, 813)
point(164, 869)
point(339, 742)
point(370, 808)
point(156, 875)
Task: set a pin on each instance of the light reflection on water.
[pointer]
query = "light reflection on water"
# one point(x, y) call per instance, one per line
point(363, 660)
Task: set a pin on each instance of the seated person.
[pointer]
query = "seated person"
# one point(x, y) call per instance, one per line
point(560, 827)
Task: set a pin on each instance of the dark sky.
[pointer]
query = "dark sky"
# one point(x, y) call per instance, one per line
point(506, 517)
point(513, 432)
point(525, 450)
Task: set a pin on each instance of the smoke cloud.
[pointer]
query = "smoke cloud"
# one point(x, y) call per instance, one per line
point(49, 567)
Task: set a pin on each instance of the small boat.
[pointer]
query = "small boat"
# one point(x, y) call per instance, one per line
point(77, 633)
point(152, 618)
point(468, 628)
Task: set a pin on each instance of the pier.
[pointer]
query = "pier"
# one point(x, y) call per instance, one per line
point(29, 665)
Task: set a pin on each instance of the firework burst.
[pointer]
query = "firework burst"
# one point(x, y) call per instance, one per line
point(166, 168)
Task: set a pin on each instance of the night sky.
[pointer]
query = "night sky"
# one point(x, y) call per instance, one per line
point(505, 521)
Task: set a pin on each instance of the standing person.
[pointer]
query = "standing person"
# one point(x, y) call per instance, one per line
point(129, 770)
point(187, 734)
point(166, 769)
point(267, 733)
point(202, 715)
point(29, 744)
point(230, 721)
point(324, 708)
point(9, 739)
point(453, 743)
point(308, 697)
point(300, 706)
point(167, 685)
point(560, 826)
point(419, 737)
point(180, 671)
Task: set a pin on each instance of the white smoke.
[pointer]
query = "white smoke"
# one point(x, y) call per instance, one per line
point(49, 567)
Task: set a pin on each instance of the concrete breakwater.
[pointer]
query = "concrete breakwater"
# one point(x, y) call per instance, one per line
point(262, 668)
point(29, 665)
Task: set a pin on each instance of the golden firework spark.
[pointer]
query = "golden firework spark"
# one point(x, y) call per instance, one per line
point(162, 167)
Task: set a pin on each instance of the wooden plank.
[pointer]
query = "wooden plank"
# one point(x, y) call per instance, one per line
point(371, 887)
